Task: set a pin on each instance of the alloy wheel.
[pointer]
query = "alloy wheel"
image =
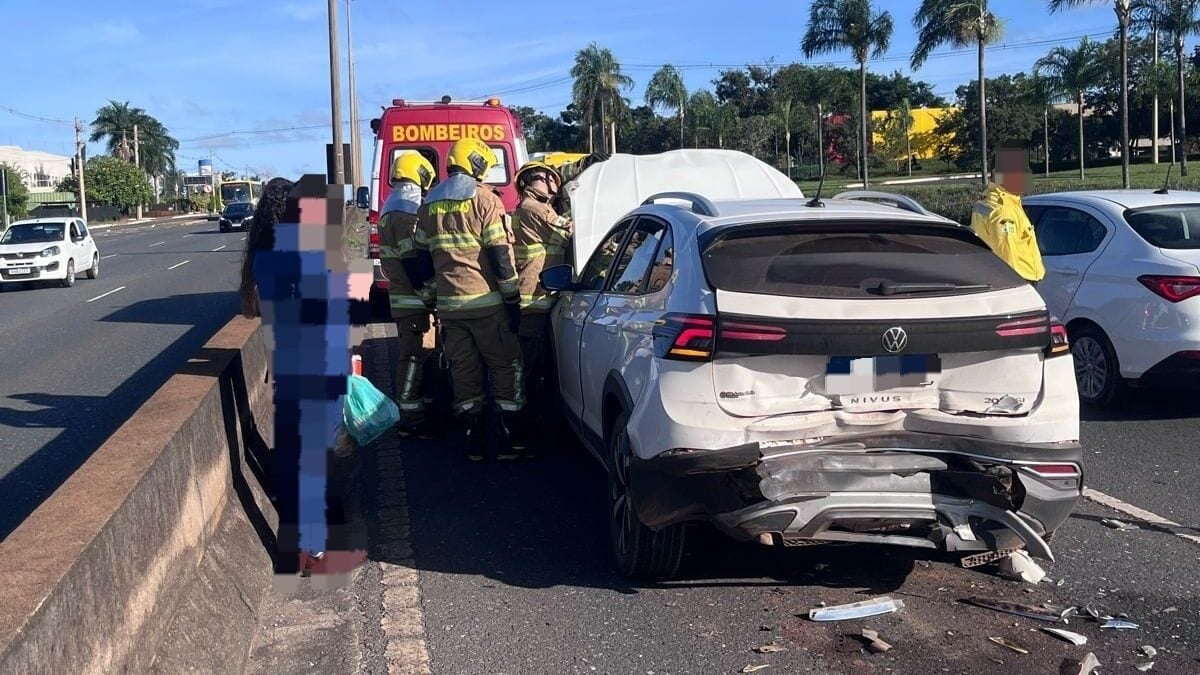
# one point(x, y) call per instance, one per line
point(1091, 367)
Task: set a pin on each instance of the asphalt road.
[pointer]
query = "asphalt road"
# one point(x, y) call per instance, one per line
point(77, 362)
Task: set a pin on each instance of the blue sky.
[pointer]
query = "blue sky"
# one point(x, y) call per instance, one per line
point(209, 67)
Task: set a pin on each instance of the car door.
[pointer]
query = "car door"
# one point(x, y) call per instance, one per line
point(571, 315)
point(89, 244)
point(1070, 239)
point(613, 331)
point(75, 242)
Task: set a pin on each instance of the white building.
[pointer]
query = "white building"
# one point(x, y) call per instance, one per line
point(43, 170)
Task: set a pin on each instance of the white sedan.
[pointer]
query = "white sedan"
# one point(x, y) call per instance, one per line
point(1123, 273)
point(48, 249)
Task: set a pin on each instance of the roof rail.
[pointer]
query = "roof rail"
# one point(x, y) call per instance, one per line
point(700, 204)
point(901, 201)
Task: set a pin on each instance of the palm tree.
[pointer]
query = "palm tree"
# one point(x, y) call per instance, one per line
point(903, 113)
point(1068, 73)
point(1124, 10)
point(597, 88)
point(1178, 19)
point(666, 90)
point(834, 25)
point(783, 112)
point(115, 123)
point(958, 23)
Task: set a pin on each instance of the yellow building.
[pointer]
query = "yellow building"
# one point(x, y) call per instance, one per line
point(922, 132)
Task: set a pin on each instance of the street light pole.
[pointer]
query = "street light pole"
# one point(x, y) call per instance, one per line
point(137, 161)
point(355, 139)
point(335, 96)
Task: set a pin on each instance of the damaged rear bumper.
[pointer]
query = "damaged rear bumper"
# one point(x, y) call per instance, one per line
point(904, 488)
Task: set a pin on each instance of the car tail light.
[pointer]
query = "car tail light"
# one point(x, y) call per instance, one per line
point(730, 330)
point(1171, 288)
point(1022, 327)
point(373, 243)
point(1054, 470)
point(1059, 344)
point(684, 337)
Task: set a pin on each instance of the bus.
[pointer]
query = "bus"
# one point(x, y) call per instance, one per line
point(240, 191)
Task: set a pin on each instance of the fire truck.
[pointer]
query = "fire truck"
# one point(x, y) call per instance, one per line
point(430, 128)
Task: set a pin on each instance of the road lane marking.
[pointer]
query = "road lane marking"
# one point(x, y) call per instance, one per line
point(1136, 512)
point(179, 264)
point(110, 255)
point(158, 244)
point(118, 288)
point(218, 248)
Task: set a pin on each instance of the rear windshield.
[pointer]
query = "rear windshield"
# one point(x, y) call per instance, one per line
point(1175, 226)
point(854, 264)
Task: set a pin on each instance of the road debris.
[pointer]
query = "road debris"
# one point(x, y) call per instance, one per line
point(1021, 567)
point(1074, 638)
point(856, 610)
point(987, 556)
point(754, 669)
point(1148, 651)
point(769, 649)
point(1011, 645)
point(1119, 624)
point(1119, 525)
point(1051, 613)
point(874, 644)
point(1084, 666)
point(1144, 666)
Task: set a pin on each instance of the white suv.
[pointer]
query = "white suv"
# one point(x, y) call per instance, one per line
point(48, 248)
point(797, 371)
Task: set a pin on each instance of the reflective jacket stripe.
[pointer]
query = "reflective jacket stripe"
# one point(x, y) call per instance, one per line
point(451, 303)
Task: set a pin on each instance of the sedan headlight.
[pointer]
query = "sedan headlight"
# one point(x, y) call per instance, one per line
point(50, 252)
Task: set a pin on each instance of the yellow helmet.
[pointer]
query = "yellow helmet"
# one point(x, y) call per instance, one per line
point(536, 165)
point(472, 156)
point(414, 167)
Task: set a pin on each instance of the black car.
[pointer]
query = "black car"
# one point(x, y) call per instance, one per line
point(236, 216)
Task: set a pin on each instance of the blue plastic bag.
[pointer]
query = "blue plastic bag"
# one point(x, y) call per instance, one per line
point(368, 413)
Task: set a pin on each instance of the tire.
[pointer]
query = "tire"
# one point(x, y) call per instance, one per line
point(1097, 371)
point(69, 280)
point(94, 270)
point(638, 552)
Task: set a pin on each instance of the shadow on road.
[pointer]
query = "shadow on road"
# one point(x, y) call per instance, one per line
point(1146, 404)
point(88, 420)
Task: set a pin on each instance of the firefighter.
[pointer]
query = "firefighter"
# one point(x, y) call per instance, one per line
point(999, 219)
point(542, 237)
point(464, 253)
point(412, 175)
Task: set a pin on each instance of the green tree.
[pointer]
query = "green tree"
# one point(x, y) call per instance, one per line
point(958, 23)
point(115, 182)
point(834, 25)
point(1124, 10)
point(114, 124)
point(1070, 73)
point(597, 89)
point(666, 90)
point(1019, 119)
point(1178, 19)
point(784, 114)
point(17, 197)
point(897, 137)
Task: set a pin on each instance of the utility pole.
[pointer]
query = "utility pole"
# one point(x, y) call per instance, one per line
point(335, 96)
point(137, 161)
point(1154, 119)
point(352, 176)
point(4, 195)
point(79, 159)
point(821, 139)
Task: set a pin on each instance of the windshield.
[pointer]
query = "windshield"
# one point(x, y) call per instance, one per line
point(1176, 226)
point(34, 233)
point(239, 208)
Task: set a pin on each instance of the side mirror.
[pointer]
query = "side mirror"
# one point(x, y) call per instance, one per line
point(558, 278)
point(362, 197)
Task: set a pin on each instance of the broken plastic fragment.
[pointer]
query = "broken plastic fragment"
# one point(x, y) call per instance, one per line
point(1118, 525)
point(1046, 613)
point(1013, 646)
point(965, 532)
point(1148, 651)
point(770, 649)
point(1021, 567)
point(856, 610)
point(874, 644)
point(755, 669)
point(1144, 666)
point(1073, 638)
point(1085, 666)
point(1119, 624)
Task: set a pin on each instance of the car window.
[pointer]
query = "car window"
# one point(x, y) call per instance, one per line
point(664, 261)
point(82, 228)
point(637, 256)
point(498, 174)
point(428, 153)
point(596, 270)
point(1065, 231)
point(1033, 211)
point(75, 230)
point(34, 233)
point(1175, 227)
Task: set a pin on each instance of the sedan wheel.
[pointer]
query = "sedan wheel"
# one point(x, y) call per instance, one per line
point(1096, 372)
point(94, 270)
point(69, 280)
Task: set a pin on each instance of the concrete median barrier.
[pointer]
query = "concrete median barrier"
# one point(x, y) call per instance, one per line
point(152, 557)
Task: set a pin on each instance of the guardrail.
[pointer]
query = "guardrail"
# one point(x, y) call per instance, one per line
point(153, 555)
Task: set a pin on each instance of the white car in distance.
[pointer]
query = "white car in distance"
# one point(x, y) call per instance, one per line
point(1123, 274)
point(48, 249)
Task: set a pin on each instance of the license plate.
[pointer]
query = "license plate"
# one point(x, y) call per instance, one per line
point(20, 270)
point(861, 375)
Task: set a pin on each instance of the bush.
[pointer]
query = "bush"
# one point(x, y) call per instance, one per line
point(18, 196)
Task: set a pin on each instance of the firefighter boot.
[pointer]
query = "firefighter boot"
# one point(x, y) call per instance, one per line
point(506, 449)
point(476, 438)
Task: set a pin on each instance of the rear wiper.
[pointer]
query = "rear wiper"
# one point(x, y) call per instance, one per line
point(893, 288)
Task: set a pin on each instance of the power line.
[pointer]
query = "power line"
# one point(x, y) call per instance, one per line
point(36, 118)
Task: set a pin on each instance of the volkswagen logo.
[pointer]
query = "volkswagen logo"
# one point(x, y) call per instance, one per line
point(895, 339)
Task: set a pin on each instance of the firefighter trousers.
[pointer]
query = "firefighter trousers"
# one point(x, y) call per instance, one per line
point(473, 344)
point(412, 395)
point(534, 345)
